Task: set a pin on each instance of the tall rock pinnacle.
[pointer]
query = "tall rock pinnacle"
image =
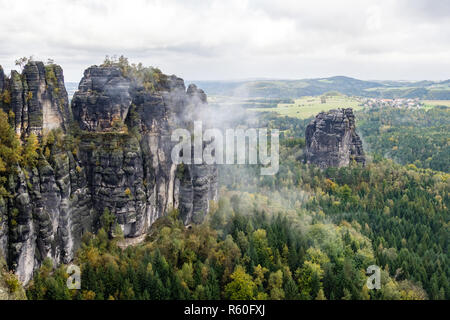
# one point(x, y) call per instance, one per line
point(332, 141)
point(37, 97)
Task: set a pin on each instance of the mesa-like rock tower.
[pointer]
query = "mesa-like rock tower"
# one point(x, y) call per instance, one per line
point(332, 141)
point(111, 149)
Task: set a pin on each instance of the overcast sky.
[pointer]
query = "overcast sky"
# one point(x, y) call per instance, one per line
point(235, 39)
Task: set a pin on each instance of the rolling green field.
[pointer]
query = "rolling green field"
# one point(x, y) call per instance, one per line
point(433, 103)
point(306, 107)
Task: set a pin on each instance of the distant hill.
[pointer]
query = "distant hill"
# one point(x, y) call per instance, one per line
point(432, 90)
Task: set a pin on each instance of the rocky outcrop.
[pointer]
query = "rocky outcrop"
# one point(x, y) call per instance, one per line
point(332, 141)
point(2, 81)
point(118, 159)
point(49, 205)
point(132, 173)
point(197, 185)
point(102, 98)
point(48, 212)
point(37, 97)
point(195, 93)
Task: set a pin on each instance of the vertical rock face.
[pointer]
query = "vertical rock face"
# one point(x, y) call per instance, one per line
point(34, 220)
point(3, 204)
point(49, 210)
point(3, 227)
point(119, 159)
point(2, 80)
point(197, 186)
point(132, 174)
point(332, 141)
point(38, 98)
point(102, 98)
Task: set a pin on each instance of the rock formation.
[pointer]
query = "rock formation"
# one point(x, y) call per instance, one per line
point(110, 150)
point(37, 97)
point(332, 141)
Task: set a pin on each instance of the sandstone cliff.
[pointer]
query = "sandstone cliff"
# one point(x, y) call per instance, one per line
point(38, 97)
point(111, 149)
point(332, 141)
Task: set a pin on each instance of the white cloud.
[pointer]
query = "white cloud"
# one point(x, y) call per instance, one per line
point(235, 39)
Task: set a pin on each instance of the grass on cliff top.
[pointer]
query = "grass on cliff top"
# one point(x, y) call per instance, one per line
point(307, 107)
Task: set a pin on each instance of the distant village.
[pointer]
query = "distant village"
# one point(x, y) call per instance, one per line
point(394, 103)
